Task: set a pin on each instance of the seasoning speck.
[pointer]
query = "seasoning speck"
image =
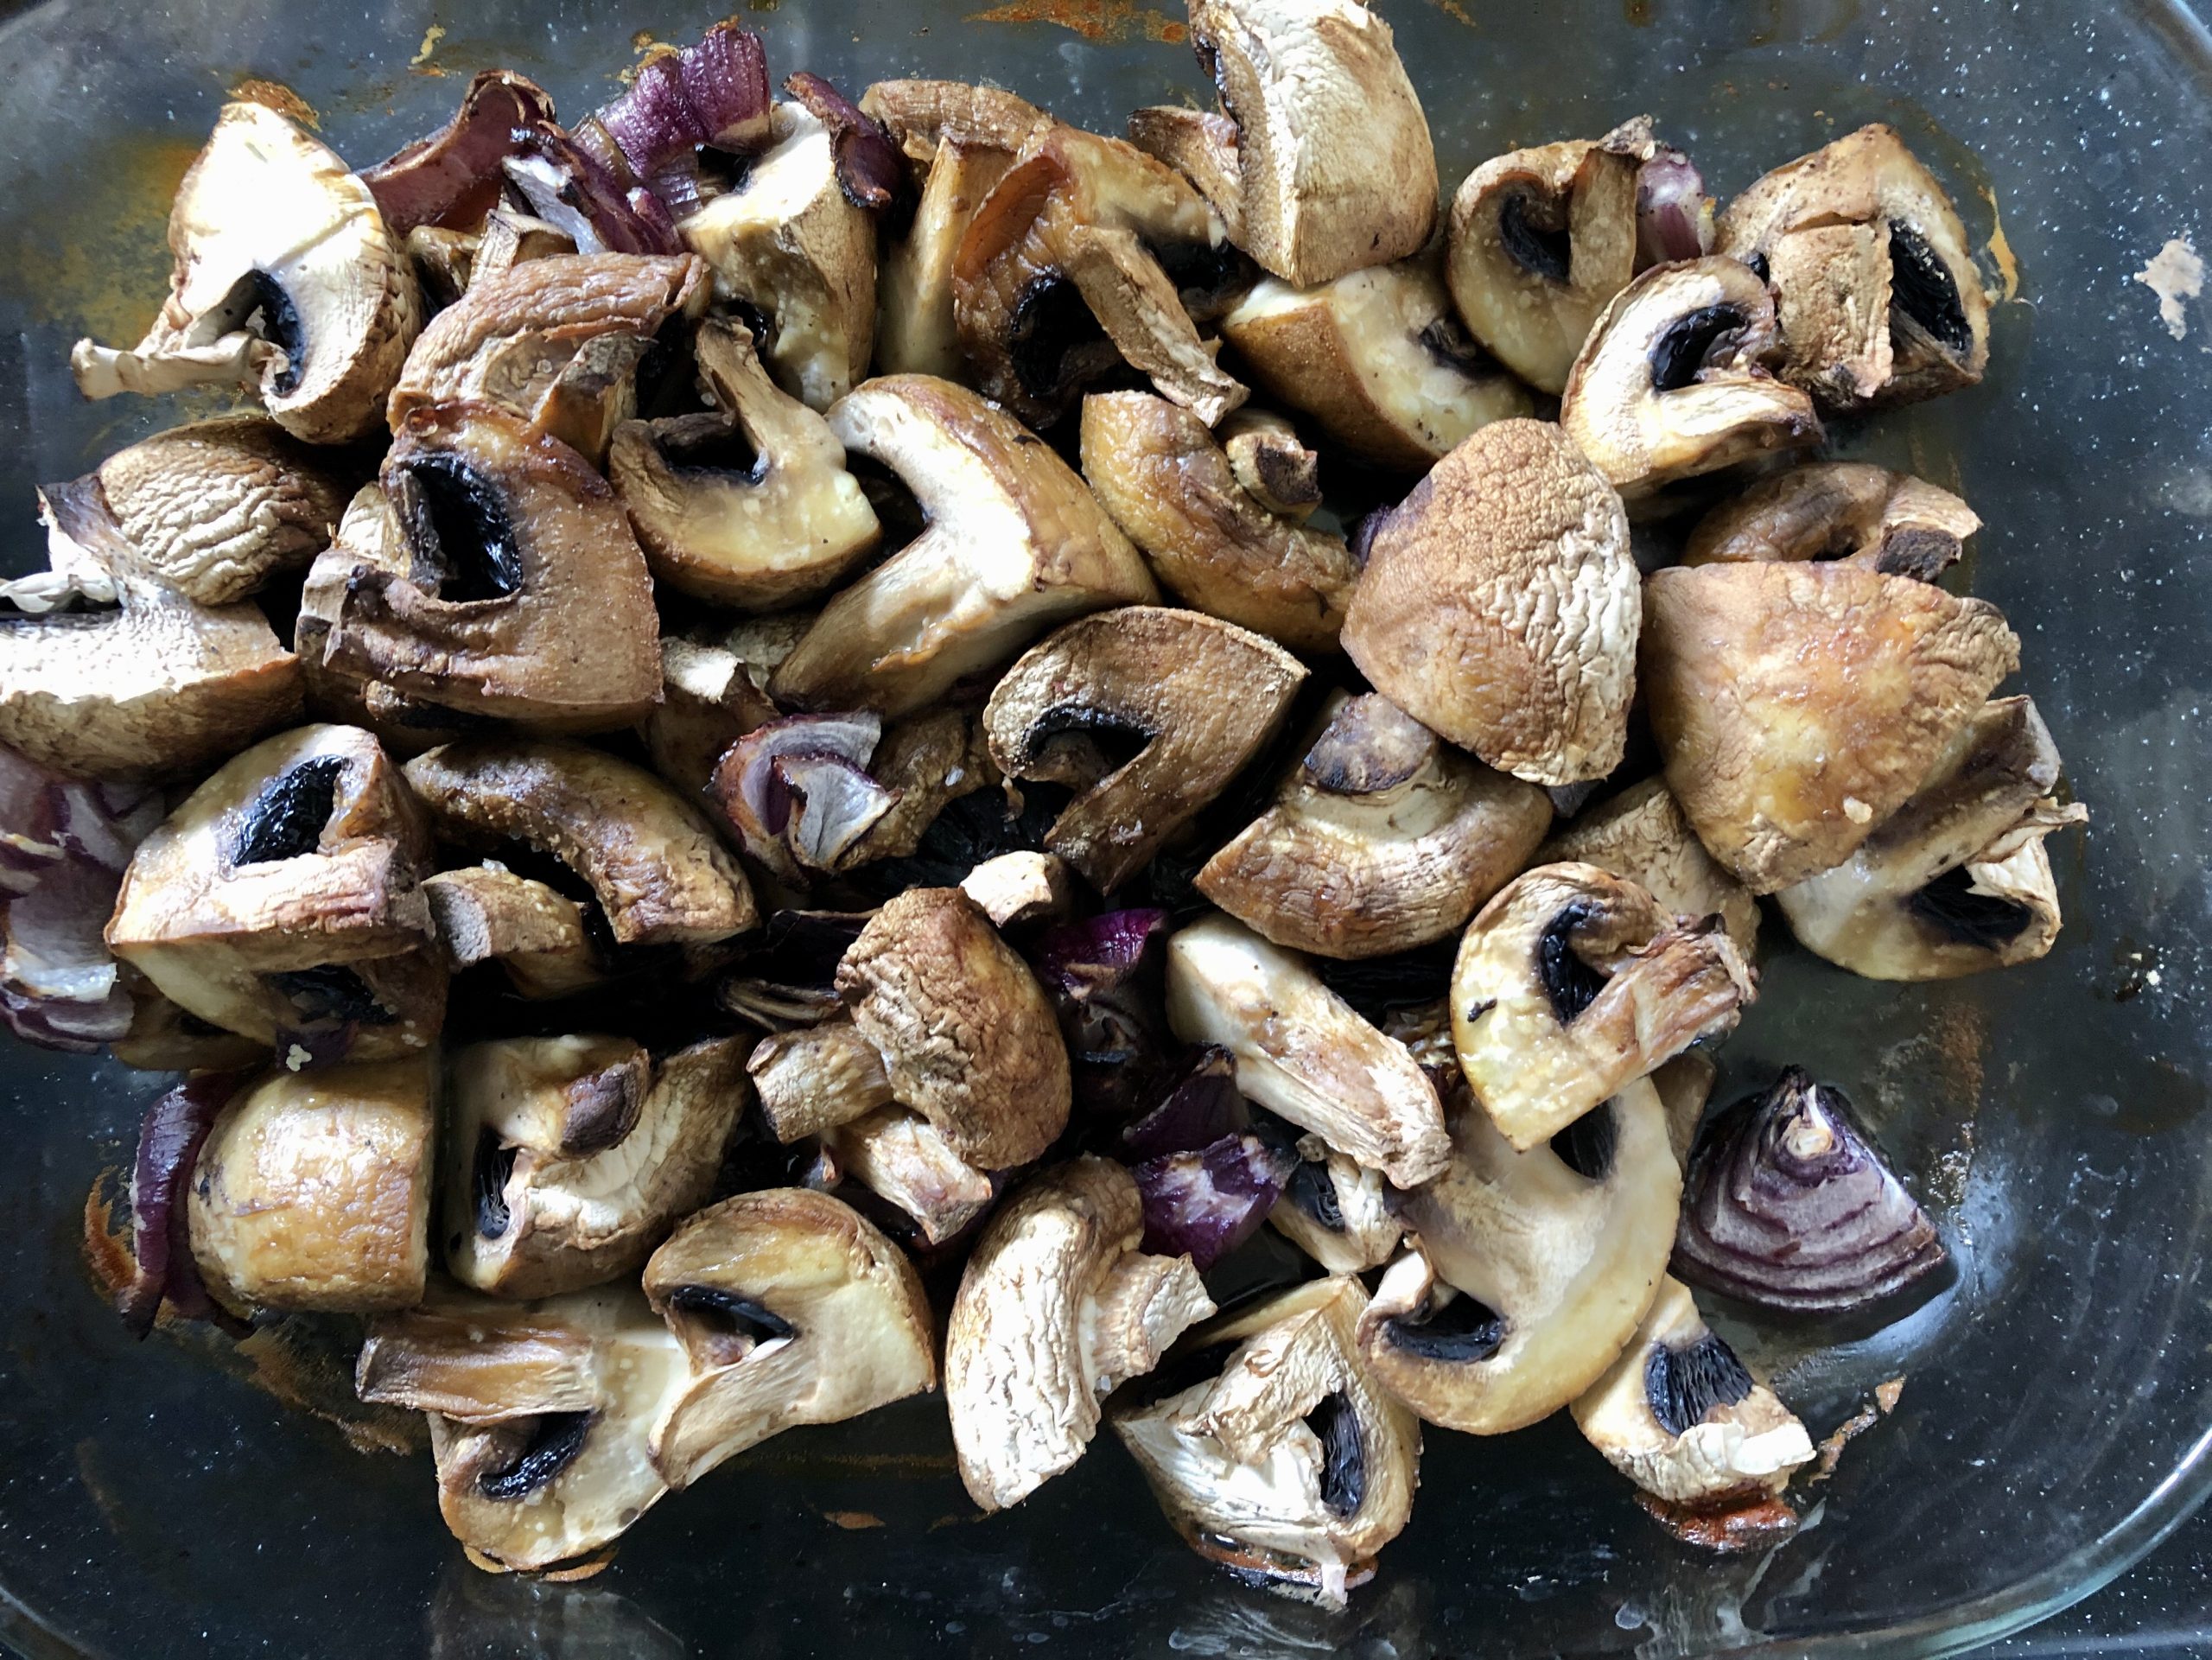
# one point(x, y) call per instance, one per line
point(2175, 274)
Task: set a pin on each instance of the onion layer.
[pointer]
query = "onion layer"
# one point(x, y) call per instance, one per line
point(1104, 977)
point(169, 1139)
point(1209, 1202)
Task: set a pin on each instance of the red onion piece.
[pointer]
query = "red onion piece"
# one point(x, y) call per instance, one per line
point(679, 188)
point(1790, 1207)
point(567, 188)
point(715, 92)
point(169, 1139)
point(869, 171)
point(1202, 1105)
point(653, 122)
point(1673, 216)
point(1104, 978)
point(452, 178)
point(1209, 1202)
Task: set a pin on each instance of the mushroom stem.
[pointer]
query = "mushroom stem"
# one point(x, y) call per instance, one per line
point(1144, 1305)
point(817, 1079)
point(238, 358)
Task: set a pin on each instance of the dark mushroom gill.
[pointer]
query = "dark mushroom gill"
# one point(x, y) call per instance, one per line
point(495, 1164)
point(1534, 232)
point(1688, 344)
point(1587, 1146)
point(1054, 341)
point(286, 817)
point(1684, 1385)
point(1343, 1460)
point(553, 1440)
point(1950, 906)
point(1922, 289)
point(331, 991)
point(1571, 984)
point(1461, 1332)
point(462, 534)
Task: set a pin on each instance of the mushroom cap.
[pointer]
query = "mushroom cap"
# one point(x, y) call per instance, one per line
point(486, 913)
point(921, 114)
point(569, 1158)
point(1201, 694)
point(1056, 1308)
point(1377, 359)
point(1380, 840)
point(915, 330)
point(1642, 833)
point(784, 525)
point(1332, 155)
point(653, 860)
point(1014, 543)
point(491, 572)
point(313, 1190)
point(283, 897)
point(1158, 471)
point(1560, 1266)
point(1572, 983)
point(1880, 300)
point(904, 1159)
point(1337, 1212)
point(1796, 706)
point(1302, 1052)
point(793, 1309)
point(1678, 1414)
point(967, 1037)
point(1896, 523)
point(269, 220)
point(1671, 382)
point(1499, 605)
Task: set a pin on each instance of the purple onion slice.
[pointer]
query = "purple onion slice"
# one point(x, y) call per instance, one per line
point(869, 171)
point(1202, 1105)
point(577, 195)
point(714, 93)
point(1105, 978)
point(1209, 1202)
point(169, 1139)
point(1673, 216)
point(453, 178)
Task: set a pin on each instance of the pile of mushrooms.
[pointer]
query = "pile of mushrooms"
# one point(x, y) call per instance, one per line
point(764, 775)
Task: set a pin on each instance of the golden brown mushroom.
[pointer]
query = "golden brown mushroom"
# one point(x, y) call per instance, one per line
point(1900, 525)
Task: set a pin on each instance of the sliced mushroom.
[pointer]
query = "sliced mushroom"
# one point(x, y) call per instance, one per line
point(1797, 706)
point(1680, 1415)
point(1014, 543)
point(490, 573)
point(1302, 1052)
point(569, 1159)
point(1879, 298)
point(817, 1077)
point(713, 690)
point(1642, 834)
point(904, 1159)
point(654, 866)
point(1272, 462)
point(1290, 1463)
point(1535, 1266)
point(1376, 358)
point(1573, 982)
point(1331, 155)
point(787, 245)
point(794, 1309)
point(1380, 840)
point(1201, 145)
point(1957, 879)
point(1058, 1307)
point(1193, 696)
point(509, 237)
point(288, 280)
point(313, 1190)
point(1672, 382)
point(924, 762)
point(1337, 1212)
point(164, 1038)
point(915, 332)
point(486, 913)
point(1499, 605)
point(921, 114)
point(967, 1037)
point(1898, 525)
point(1020, 887)
point(281, 901)
point(1063, 275)
point(1157, 469)
point(750, 507)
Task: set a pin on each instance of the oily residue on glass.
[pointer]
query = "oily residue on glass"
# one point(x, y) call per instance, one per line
point(1102, 20)
point(106, 277)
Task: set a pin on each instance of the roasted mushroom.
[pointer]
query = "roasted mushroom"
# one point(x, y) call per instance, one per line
point(816, 1078)
point(1672, 382)
point(921, 114)
point(793, 1309)
point(1337, 1212)
point(1267, 457)
point(786, 245)
point(1898, 524)
point(1014, 543)
point(1534, 1267)
point(487, 913)
point(1879, 298)
point(1797, 706)
point(1157, 469)
point(490, 574)
point(905, 1161)
point(1288, 1463)
point(1642, 833)
point(1573, 982)
point(1056, 1309)
point(1381, 839)
point(569, 1158)
point(1680, 1415)
point(1302, 1052)
point(1499, 605)
point(313, 1190)
point(1020, 887)
point(751, 507)
point(713, 690)
point(1148, 713)
point(1957, 879)
point(287, 280)
point(915, 333)
point(281, 901)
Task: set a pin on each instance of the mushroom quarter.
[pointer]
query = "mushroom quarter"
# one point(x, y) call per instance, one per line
point(1895, 523)
point(1642, 834)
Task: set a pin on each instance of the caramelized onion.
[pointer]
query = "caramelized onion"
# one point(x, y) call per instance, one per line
point(1209, 1202)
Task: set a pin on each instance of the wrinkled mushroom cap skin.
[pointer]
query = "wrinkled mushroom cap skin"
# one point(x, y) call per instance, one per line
point(1381, 839)
point(1672, 384)
point(1642, 834)
point(1377, 359)
point(1856, 300)
point(1334, 164)
point(653, 862)
point(1243, 1473)
point(603, 1150)
point(1202, 694)
point(1056, 1308)
point(1742, 1447)
point(858, 1336)
point(254, 878)
point(968, 1037)
point(1160, 472)
point(1014, 542)
point(313, 1190)
point(1568, 1265)
point(1896, 523)
point(1499, 607)
point(1796, 706)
